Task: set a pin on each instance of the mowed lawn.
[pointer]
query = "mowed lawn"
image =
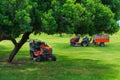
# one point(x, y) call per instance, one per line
point(73, 63)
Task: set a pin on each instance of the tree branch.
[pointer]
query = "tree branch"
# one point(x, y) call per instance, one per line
point(3, 37)
point(24, 37)
point(19, 45)
point(14, 41)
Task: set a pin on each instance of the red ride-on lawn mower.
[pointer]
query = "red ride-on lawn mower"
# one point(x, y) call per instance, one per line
point(39, 51)
point(74, 41)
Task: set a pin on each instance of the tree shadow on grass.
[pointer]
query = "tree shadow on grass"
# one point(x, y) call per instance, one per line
point(84, 69)
point(66, 69)
point(4, 54)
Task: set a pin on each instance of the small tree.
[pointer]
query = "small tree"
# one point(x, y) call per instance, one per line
point(15, 20)
point(20, 17)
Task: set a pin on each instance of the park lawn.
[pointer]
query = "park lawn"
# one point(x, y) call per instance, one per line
point(73, 63)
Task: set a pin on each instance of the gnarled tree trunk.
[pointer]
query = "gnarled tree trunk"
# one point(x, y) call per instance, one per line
point(18, 45)
point(14, 52)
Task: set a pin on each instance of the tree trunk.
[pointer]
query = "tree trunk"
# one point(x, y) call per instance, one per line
point(14, 52)
point(18, 46)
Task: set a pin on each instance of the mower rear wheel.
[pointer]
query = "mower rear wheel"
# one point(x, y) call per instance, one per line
point(38, 59)
point(50, 58)
point(53, 58)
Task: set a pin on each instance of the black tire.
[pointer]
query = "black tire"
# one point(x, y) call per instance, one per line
point(53, 58)
point(84, 44)
point(102, 44)
point(38, 59)
point(49, 58)
point(43, 57)
point(94, 43)
point(72, 44)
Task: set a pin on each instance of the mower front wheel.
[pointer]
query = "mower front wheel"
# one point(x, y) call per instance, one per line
point(84, 44)
point(51, 58)
point(38, 59)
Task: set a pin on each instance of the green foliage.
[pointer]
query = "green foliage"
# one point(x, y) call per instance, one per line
point(85, 25)
point(43, 5)
point(99, 18)
point(15, 17)
point(58, 16)
point(49, 22)
point(58, 13)
point(114, 6)
point(37, 13)
point(104, 20)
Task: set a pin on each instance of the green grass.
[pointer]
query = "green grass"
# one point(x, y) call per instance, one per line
point(73, 63)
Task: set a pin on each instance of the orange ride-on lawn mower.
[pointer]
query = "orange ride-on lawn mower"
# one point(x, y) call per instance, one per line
point(39, 51)
point(100, 39)
point(74, 41)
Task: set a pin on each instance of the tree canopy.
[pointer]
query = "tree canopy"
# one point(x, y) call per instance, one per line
point(55, 16)
point(114, 5)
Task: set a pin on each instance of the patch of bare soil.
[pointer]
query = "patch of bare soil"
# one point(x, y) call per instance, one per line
point(14, 62)
point(17, 63)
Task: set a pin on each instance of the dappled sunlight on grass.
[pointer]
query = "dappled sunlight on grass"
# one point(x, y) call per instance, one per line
point(28, 70)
